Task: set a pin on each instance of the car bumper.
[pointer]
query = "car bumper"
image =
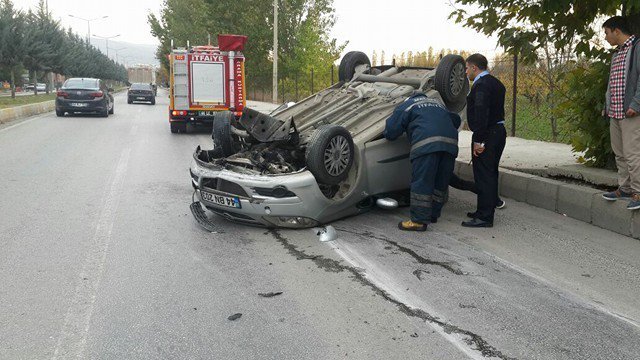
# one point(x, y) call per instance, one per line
point(81, 106)
point(300, 211)
point(141, 98)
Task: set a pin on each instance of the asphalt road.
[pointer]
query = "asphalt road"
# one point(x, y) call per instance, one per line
point(100, 258)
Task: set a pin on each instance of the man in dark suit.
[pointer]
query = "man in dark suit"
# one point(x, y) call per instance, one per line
point(485, 116)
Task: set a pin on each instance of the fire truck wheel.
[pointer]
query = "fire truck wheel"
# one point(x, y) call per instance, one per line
point(177, 127)
point(451, 81)
point(349, 63)
point(330, 153)
point(221, 133)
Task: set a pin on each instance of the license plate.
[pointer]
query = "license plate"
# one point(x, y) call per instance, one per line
point(221, 200)
point(79, 104)
point(206, 113)
point(141, 98)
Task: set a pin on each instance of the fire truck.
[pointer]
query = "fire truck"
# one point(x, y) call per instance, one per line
point(205, 81)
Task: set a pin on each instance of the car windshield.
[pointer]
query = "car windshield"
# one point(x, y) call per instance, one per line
point(81, 84)
point(140, 86)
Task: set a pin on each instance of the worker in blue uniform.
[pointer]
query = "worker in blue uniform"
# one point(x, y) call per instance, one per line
point(433, 133)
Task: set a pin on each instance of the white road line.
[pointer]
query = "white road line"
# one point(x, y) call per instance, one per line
point(385, 282)
point(72, 340)
point(36, 117)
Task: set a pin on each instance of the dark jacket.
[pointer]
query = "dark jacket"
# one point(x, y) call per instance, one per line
point(485, 106)
point(632, 89)
point(430, 127)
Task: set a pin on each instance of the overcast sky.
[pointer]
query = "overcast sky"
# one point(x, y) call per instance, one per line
point(392, 26)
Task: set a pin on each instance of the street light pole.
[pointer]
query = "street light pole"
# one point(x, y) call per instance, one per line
point(88, 23)
point(275, 51)
point(116, 50)
point(106, 38)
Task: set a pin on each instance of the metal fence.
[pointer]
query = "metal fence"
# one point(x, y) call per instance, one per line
point(534, 116)
point(293, 87)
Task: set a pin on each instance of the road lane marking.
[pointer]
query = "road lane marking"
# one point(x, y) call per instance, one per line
point(73, 337)
point(385, 282)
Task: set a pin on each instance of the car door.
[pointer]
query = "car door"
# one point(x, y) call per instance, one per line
point(388, 165)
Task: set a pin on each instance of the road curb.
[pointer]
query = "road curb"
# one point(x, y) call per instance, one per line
point(576, 201)
point(18, 112)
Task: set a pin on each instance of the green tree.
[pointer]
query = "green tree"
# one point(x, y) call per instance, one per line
point(303, 32)
point(12, 40)
point(527, 27)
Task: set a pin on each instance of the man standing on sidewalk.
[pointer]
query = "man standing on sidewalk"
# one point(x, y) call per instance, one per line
point(623, 109)
point(485, 116)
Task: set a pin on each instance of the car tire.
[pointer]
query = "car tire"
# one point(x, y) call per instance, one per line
point(330, 154)
point(129, 101)
point(349, 63)
point(59, 113)
point(153, 102)
point(451, 81)
point(113, 107)
point(178, 127)
point(221, 133)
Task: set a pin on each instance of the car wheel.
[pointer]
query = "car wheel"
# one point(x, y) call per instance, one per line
point(221, 133)
point(113, 106)
point(153, 102)
point(59, 113)
point(349, 63)
point(129, 101)
point(451, 81)
point(330, 153)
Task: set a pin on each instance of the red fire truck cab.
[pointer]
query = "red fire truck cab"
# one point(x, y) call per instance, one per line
point(205, 80)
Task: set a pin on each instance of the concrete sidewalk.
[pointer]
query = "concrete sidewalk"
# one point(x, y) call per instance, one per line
point(548, 176)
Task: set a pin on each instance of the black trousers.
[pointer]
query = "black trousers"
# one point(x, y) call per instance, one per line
point(457, 183)
point(485, 172)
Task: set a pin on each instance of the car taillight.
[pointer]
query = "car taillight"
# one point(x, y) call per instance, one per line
point(63, 94)
point(96, 94)
point(178, 113)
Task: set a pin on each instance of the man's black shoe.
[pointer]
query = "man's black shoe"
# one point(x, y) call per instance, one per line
point(472, 214)
point(477, 223)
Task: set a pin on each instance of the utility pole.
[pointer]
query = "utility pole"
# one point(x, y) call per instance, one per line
point(515, 94)
point(275, 51)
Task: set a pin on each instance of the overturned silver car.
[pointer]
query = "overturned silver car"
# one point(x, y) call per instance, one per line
point(323, 158)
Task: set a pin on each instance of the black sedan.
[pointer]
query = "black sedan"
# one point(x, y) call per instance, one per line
point(84, 95)
point(141, 92)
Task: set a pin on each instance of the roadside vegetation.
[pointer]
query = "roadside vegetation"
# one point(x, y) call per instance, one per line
point(304, 43)
point(33, 41)
point(7, 101)
point(560, 43)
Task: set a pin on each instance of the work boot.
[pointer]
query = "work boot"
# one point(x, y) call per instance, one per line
point(411, 226)
point(615, 195)
point(634, 204)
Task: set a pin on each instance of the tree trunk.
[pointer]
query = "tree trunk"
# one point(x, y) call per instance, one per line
point(13, 84)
